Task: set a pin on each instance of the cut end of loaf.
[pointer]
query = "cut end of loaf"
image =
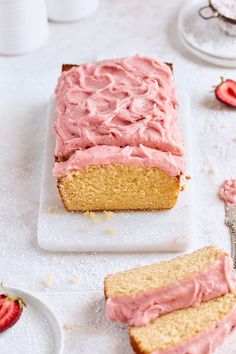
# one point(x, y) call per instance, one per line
point(118, 187)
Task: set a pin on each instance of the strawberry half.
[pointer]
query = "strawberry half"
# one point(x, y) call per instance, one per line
point(226, 92)
point(10, 311)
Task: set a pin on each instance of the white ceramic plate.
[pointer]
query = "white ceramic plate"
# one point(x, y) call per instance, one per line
point(59, 230)
point(204, 38)
point(38, 330)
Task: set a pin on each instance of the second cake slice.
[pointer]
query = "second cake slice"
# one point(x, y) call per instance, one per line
point(140, 295)
point(198, 330)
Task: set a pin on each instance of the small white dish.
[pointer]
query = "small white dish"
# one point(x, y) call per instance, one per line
point(205, 39)
point(37, 331)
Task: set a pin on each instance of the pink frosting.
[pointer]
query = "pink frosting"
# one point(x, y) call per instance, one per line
point(142, 308)
point(228, 191)
point(133, 155)
point(207, 341)
point(118, 102)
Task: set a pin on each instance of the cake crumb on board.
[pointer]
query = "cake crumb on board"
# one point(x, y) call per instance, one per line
point(48, 282)
point(212, 169)
point(85, 229)
point(108, 215)
point(111, 230)
point(69, 326)
point(74, 279)
point(178, 238)
point(53, 208)
point(93, 217)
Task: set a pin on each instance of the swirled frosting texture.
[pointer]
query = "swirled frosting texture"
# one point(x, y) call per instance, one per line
point(120, 102)
point(228, 191)
point(142, 308)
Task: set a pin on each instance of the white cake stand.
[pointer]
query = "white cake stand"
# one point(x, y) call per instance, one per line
point(204, 38)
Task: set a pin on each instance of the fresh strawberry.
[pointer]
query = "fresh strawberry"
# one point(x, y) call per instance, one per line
point(226, 92)
point(10, 310)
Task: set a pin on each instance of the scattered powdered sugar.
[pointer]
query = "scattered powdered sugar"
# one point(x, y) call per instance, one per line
point(207, 35)
point(31, 334)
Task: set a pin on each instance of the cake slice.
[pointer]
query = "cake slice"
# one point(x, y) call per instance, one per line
point(195, 330)
point(118, 145)
point(140, 295)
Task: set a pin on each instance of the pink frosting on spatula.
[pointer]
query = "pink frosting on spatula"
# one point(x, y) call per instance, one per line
point(228, 191)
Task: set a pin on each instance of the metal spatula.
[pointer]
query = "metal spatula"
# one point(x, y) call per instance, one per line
point(230, 221)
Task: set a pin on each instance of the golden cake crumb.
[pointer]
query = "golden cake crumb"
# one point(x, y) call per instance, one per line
point(183, 187)
point(178, 238)
point(85, 229)
point(69, 326)
point(52, 208)
point(87, 214)
point(48, 282)
point(108, 215)
point(111, 230)
point(187, 177)
point(212, 169)
point(93, 217)
point(74, 279)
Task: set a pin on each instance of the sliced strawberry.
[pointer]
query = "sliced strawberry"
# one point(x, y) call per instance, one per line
point(226, 92)
point(10, 311)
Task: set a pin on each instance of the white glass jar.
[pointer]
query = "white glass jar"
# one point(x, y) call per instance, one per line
point(70, 10)
point(23, 26)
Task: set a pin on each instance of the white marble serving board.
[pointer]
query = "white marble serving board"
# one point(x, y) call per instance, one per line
point(59, 230)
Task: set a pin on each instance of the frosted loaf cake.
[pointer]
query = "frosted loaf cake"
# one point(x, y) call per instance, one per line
point(118, 146)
